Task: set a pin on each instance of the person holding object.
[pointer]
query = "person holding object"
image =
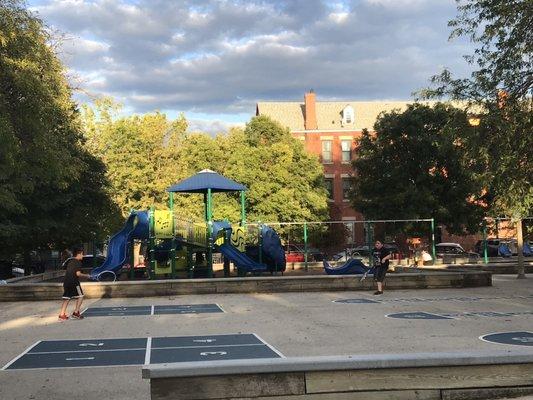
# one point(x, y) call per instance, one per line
point(72, 287)
point(381, 265)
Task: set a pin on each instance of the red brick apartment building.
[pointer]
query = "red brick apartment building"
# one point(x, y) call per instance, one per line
point(329, 130)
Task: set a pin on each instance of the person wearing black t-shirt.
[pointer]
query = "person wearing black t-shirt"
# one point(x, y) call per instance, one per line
point(381, 258)
point(72, 287)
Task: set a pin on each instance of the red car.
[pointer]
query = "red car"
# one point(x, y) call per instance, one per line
point(295, 253)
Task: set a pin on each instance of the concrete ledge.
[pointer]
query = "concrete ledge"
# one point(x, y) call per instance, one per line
point(335, 363)
point(500, 269)
point(383, 376)
point(422, 280)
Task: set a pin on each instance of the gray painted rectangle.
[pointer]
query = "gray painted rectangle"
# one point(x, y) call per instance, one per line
point(165, 311)
point(89, 344)
point(186, 306)
point(80, 359)
point(211, 353)
point(212, 340)
point(121, 308)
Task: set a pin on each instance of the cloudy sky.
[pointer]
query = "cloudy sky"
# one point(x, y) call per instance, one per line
point(213, 60)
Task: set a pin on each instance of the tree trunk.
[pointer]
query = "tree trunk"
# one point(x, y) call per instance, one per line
point(520, 240)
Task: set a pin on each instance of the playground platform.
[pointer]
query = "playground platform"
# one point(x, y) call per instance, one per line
point(21, 290)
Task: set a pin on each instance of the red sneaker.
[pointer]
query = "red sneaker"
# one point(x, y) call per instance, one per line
point(77, 315)
point(63, 317)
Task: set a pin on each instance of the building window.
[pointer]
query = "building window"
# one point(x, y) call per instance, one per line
point(347, 186)
point(348, 115)
point(326, 151)
point(329, 187)
point(346, 148)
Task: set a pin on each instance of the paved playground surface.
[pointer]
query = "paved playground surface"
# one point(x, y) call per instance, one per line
point(295, 324)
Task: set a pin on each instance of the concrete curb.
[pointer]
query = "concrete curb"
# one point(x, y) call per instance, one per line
point(428, 376)
point(314, 283)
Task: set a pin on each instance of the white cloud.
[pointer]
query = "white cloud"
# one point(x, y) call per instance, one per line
point(221, 57)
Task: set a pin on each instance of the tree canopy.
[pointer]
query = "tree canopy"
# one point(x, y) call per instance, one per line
point(415, 166)
point(499, 92)
point(146, 154)
point(52, 190)
point(503, 58)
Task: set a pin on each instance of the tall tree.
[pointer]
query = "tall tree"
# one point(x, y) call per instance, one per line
point(499, 90)
point(48, 180)
point(146, 154)
point(414, 167)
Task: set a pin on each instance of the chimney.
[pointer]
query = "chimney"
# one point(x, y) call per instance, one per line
point(310, 111)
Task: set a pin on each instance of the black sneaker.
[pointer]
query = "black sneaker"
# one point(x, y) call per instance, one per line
point(378, 292)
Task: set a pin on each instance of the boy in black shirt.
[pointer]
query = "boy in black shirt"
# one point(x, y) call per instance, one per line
point(72, 287)
point(381, 263)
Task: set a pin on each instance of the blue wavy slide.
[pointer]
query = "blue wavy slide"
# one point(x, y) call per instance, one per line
point(117, 251)
point(352, 267)
point(241, 260)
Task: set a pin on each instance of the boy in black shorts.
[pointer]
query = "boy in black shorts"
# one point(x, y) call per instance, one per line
point(72, 287)
point(381, 263)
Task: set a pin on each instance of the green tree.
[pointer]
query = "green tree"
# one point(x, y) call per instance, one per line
point(51, 187)
point(285, 182)
point(141, 152)
point(414, 166)
point(499, 90)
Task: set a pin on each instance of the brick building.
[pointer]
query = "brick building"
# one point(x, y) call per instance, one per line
point(329, 130)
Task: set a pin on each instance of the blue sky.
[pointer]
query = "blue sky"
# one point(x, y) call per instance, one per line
point(213, 60)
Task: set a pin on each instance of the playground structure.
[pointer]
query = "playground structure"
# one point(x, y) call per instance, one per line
point(173, 242)
point(176, 245)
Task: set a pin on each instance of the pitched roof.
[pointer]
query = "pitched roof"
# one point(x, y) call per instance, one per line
point(206, 179)
point(329, 113)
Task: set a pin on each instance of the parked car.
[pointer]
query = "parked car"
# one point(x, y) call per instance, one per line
point(453, 250)
point(87, 262)
point(296, 253)
point(493, 246)
point(362, 252)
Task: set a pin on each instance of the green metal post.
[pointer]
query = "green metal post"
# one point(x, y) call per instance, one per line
point(305, 247)
point(260, 241)
point(243, 208)
point(369, 237)
point(190, 273)
point(151, 268)
point(433, 249)
point(209, 236)
point(132, 258)
point(485, 250)
point(173, 245)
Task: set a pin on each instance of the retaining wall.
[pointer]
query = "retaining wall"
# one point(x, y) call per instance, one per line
point(434, 376)
point(423, 280)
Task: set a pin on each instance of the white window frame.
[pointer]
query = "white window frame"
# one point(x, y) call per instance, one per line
point(330, 151)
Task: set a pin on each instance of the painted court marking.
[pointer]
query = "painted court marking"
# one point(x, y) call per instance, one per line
point(152, 310)
point(139, 351)
point(520, 338)
point(417, 315)
point(467, 314)
point(427, 300)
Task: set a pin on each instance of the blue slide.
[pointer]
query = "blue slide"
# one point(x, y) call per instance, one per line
point(241, 260)
point(504, 250)
point(352, 267)
point(136, 226)
point(527, 250)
